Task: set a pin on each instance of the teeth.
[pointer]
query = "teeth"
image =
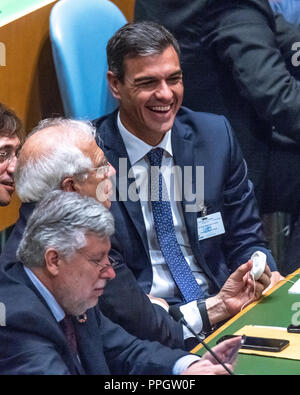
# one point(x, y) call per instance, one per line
point(161, 108)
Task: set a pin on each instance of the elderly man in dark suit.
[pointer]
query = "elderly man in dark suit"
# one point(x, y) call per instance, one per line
point(181, 250)
point(52, 325)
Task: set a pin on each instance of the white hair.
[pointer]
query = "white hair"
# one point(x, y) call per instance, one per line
point(61, 221)
point(35, 177)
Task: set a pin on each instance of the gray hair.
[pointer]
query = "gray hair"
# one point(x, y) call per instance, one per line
point(137, 39)
point(35, 177)
point(61, 221)
point(67, 124)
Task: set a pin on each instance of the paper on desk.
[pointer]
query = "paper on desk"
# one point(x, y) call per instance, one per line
point(292, 351)
point(295, 289)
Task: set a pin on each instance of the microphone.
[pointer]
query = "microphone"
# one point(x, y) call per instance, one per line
point(175, 312)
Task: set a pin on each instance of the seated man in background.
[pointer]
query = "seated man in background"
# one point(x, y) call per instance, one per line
point(11, 135)
point(52, 324)
point(77, 164)
point(164, 240)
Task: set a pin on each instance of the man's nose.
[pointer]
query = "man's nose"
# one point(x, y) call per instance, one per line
point(108, 274)
point(12, 165)
point(163, 91)
point(111, 171)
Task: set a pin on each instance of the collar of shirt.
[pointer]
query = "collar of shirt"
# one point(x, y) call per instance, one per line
point(137, 148)
point(55, 308)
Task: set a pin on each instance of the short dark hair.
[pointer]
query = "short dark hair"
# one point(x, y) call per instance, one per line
point(137, 39)
point(10, 124)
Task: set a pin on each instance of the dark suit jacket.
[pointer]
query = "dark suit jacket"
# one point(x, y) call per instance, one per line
point(123, 301)
point(237, 62)
point(198, 139)
point(32, 342)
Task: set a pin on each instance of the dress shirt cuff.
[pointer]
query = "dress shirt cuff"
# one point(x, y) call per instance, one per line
point(184, 362)
point(192, 315)
point(161, 304)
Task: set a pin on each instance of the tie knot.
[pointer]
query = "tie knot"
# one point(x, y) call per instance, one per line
point(155, 156)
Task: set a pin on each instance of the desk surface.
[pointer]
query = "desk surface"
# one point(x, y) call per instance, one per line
point(274, 309)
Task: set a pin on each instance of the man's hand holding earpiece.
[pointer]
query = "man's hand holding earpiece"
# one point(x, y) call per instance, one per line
point(238, 291)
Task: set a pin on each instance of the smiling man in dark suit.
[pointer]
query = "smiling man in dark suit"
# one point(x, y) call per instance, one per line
point(241, 60)
point(151, 130)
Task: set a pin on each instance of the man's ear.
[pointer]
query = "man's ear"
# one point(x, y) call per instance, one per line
point(52, 261)
point(113, 83)
point(68, 185)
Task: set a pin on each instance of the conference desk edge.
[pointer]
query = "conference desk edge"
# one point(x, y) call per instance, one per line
point(245, 310)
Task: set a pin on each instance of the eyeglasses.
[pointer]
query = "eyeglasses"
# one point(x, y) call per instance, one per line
point(7, 156)
point(103, 170)
point(102, 268)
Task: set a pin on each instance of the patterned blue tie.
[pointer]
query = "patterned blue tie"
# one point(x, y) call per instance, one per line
point(165, 231)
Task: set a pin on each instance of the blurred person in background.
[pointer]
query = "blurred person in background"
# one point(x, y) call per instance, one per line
point(11, 136)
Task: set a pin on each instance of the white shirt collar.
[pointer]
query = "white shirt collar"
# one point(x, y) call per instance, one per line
point(137, 148)
point(55, 308)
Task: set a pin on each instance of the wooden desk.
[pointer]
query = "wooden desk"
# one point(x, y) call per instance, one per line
point(273, 309)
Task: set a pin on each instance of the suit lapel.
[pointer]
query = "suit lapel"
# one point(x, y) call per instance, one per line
point(49, 327)
point(185, 156)
point(90, 344)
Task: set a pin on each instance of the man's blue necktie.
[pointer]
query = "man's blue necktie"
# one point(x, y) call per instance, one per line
point(165, 231)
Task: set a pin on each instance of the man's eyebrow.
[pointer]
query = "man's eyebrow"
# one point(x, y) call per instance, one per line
point(177, 73)
point(9, 146)
point(97, 256)
point(144, 79)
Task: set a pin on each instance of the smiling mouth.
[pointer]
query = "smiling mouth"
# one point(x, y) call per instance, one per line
point(100, 288)
point(10, 185)
point(160, 109)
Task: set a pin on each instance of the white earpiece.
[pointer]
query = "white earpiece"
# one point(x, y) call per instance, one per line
point(259, 263)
